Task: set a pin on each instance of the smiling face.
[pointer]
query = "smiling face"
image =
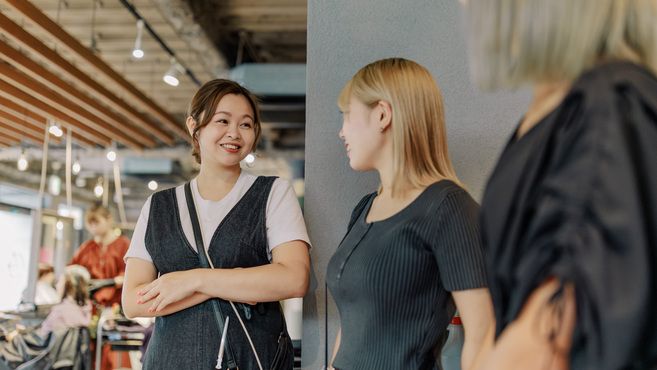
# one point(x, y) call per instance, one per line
point(361, 135)
point(230, 134)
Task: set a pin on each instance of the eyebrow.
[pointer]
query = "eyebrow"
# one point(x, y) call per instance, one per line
point(229, 114)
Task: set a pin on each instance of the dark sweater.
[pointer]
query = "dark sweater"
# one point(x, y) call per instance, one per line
point(391, 279)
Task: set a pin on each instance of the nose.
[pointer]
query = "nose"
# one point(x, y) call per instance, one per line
point(341, 134)
point(233, 132)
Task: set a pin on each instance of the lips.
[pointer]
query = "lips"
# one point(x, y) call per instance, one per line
point(230, 147)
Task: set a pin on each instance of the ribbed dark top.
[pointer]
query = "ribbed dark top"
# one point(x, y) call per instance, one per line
point(391, 279)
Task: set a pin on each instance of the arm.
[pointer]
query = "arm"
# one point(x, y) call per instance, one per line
point(541, 336)
point(476, 311)
point(140, 273)
point(286, 277)
point(336, 347)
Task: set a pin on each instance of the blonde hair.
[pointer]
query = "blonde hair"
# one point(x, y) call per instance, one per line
point(518, 41)
point(419, 140)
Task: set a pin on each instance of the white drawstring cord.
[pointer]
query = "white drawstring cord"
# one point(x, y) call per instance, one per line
point(239, 318)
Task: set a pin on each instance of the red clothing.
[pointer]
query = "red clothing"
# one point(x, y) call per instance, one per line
point(104, 265)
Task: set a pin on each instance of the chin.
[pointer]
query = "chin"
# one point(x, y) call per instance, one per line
point(360, 167)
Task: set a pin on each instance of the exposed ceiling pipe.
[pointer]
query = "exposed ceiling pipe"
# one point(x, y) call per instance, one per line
point(157, 38)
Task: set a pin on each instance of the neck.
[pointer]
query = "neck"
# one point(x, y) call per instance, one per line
point(104, 240)
point(547, 96)
point(213, 181)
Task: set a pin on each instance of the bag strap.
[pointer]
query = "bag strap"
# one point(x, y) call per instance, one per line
point(229, 357)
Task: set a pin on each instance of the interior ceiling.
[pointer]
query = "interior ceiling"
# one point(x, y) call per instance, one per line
point(270, 30)
point(75, 67)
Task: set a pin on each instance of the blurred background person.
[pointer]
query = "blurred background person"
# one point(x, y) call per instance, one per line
point(45, 289)
point(103, 254)
point(74, 310)
point(569, 215)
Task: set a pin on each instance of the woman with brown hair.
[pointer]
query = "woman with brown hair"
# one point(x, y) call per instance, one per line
point(74, 310)
point(253, 249)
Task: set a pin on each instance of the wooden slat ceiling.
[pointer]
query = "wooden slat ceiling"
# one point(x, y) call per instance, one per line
point(49, 71)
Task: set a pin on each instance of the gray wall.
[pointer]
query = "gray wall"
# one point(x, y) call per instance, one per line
point(342, 37)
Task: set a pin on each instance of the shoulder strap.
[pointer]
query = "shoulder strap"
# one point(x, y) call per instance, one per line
point(229, 358)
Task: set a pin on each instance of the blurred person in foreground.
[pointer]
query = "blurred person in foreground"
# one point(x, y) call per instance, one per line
point(569, 215)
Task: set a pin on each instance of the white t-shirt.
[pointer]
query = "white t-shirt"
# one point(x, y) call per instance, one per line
point(284, 220)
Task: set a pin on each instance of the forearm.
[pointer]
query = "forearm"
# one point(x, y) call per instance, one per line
point(540, 337)
point(132, 308)
point(476, 347)
point(268, 283)
point(336, 347)
point(478, 353)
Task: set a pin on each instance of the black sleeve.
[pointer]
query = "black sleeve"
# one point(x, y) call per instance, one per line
point(594, 225)
point(457, 244)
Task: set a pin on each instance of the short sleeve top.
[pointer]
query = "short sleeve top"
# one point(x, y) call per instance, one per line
point(391, 279)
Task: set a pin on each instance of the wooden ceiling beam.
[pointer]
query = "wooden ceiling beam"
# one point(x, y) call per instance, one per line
point(43, 22)
point(17, 34)
point(17, 113)
point(36, 71)
point(11, 129)
point(88, 121)
point(21, 124)
point(7, 141)
point(20, 97)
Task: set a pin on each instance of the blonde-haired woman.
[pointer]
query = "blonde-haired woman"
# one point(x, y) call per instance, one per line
point(569, 217)
point(412, 249)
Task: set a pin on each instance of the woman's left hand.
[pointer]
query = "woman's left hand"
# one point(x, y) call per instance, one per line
point(167, 289)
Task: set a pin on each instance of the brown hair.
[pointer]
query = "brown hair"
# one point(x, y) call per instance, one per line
point(205, 101)
point(45, 269)
point(97, 211)
point(76, 284)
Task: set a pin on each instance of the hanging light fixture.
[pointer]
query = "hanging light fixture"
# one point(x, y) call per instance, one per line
point(111, 155)
point(22, 162)
point(98, 189)
point(55, 129)
point(153, 185)
point(171, 76)
point(250, 158)
point(75, 168)
point(137, 51)
point(54, 185)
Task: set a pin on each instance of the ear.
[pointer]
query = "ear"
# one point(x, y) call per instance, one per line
point(190, 123)
point(384, 112)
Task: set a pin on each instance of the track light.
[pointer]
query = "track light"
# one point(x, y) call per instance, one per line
point(171, 77)
point(55, 130)
point(137, 51)
point(22, 162)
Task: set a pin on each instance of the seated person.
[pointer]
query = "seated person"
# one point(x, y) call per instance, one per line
point(45, 291)
point(75, 307)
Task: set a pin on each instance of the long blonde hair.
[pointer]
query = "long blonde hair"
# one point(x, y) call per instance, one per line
point(419, 139)
point(526, 41)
